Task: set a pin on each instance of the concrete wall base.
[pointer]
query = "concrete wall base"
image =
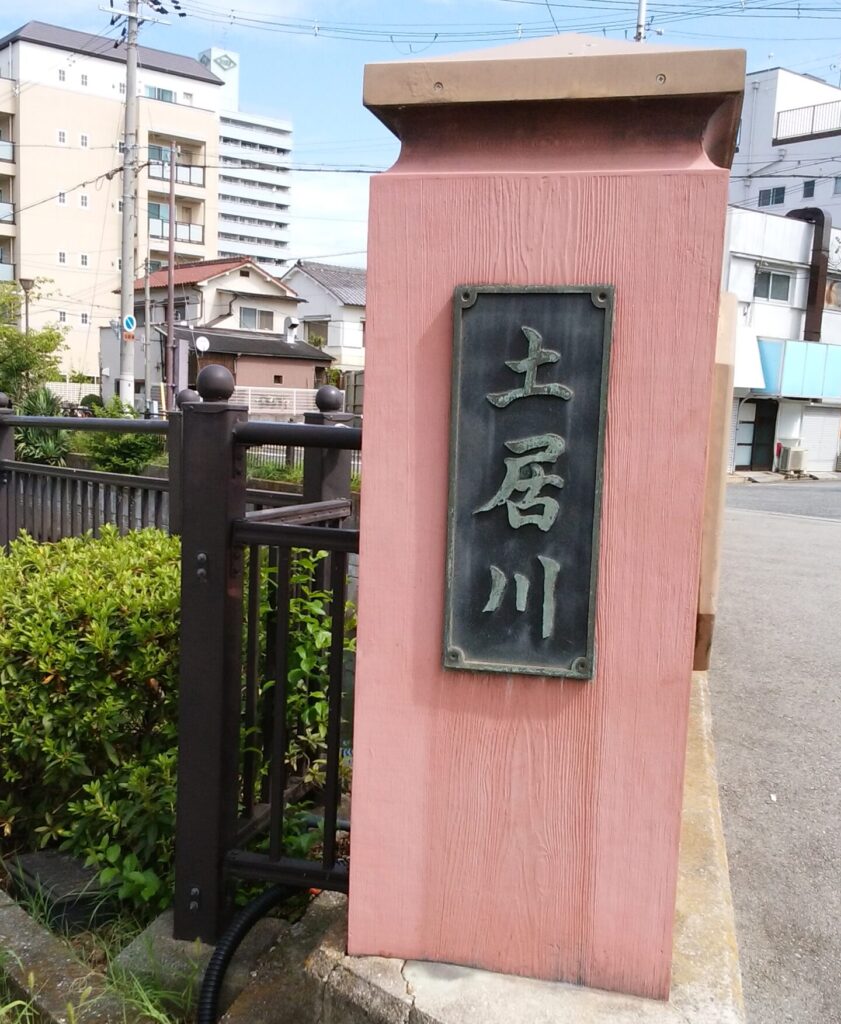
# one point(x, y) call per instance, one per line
point(309, 979)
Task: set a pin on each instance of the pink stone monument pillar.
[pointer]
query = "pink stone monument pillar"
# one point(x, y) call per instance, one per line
point(509, 820)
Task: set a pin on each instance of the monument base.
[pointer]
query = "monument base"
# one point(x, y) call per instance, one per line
point(310, 977)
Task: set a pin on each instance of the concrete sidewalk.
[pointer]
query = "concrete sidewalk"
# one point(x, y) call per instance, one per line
point(747, 476)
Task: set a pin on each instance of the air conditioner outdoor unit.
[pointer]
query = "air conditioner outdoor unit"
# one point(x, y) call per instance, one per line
point(792, 458)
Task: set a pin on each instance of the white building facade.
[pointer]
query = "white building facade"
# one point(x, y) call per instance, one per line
point(255, 153)
point(789, 148)
point(333, 311)
point(786, 275)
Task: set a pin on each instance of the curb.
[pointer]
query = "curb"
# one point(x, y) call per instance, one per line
point(40, 969)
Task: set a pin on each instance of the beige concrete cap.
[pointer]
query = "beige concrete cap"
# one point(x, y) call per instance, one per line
point(562, 67)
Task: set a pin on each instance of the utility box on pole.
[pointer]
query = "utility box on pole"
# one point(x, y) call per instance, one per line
point(543, 286)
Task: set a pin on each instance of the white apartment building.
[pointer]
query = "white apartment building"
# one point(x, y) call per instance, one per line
point(254, 173)
point(789, 147)
point(62, 101)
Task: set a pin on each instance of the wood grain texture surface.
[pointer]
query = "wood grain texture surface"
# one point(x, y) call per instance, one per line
point(520, 824)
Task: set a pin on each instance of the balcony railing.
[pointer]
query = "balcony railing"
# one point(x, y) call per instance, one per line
point(820, 119)
point(7, 213)
point(7, 150)
point(185, 174)
point(7, 271)
point(183, 232)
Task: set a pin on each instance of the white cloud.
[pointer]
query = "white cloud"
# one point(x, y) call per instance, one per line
point(329, 215)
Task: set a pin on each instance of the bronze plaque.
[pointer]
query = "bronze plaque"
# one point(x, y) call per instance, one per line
point(530, 375)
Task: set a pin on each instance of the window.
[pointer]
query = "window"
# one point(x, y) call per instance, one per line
point(186, 97)
point(83, 141)
point(256, 319)
point(119, 206)
point(83, 201)
point(119, 263)
point(62, 317)
point(155, 93)
point(85, 318)
point(84, 80)
point(62, 137)
point(771, 285)
point(83, 259)
point(62, 256)
point(121, 146)
point(62, 75)
point(62, 199)
point(245, 273)
point(158, 211)
point(808, 189)
point(122, 88)
point(836, 186)
point(278, 378)
point(773, 196)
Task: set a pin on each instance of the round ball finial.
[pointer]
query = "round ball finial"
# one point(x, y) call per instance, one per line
point(215, 383)
point(5, 401)
point(186, 396)
point(328, 399)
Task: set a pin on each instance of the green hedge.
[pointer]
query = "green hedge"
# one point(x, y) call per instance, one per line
point(88, 694)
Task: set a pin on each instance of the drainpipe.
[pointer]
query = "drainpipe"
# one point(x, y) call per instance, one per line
point(818, 267)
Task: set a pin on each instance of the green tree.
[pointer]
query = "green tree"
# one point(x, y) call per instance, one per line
point(27, 359)
point(121, 453)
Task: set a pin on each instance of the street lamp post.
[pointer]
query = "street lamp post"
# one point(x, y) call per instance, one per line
point(26, 283)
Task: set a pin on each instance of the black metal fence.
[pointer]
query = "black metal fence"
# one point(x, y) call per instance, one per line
point(240, 766)
point(249, 558)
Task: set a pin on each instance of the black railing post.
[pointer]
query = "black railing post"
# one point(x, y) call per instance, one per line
point(174, 449)
point(7, 453)
point(212, 496)
point(327, 471)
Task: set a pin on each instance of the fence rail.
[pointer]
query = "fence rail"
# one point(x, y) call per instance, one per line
point(277, 401)
point(50, 503)
point(70, 393)
point(817, 119)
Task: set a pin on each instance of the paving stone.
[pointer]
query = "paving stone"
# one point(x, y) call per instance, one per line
point(176, 966)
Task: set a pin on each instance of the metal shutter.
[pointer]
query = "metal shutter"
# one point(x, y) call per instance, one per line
point(819, 435)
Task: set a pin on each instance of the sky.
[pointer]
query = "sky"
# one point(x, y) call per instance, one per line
point(303, 60)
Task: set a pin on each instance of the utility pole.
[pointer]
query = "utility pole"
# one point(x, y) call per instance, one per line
point(129, 221)
point(147, 336)
point(171, 353)
point(640, 36)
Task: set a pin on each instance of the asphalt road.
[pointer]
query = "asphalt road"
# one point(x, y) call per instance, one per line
point(795, 497)
point(776, 694)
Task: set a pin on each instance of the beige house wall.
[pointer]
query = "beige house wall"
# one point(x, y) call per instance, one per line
point(87, 234)
point(260, 371)
point(195, 131)
point(84, 287)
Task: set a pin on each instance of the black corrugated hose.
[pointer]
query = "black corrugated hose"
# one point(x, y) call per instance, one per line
point(228, 944)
